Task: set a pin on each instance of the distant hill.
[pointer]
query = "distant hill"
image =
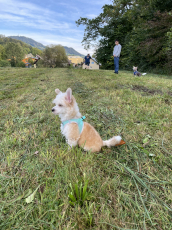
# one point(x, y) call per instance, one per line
point(71, 51)
point(29, 41)
point(33, 43)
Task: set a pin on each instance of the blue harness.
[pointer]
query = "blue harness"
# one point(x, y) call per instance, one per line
point(135, 72)
point(79, 121)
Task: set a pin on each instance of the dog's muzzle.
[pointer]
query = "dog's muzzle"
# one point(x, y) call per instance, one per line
point(53, 110)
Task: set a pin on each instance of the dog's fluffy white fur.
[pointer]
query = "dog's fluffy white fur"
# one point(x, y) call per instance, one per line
point(66, 108)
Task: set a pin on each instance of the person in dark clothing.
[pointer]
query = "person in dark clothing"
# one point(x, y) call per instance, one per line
point(87, 61)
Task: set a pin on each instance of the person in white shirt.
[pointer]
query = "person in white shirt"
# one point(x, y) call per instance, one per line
point(116, 54)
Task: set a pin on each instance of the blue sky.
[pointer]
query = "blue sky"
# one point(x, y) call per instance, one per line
point(48, 21)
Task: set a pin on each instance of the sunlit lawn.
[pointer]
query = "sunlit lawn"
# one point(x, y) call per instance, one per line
point(42, 182)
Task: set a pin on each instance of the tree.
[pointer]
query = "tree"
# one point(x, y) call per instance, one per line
point(40, 63)
point(113, 23)
point(36, 51)
point(2, 52)
point(54, 56)
point(30, 60)
point(26, 50)
point(162, 5)
point(135, 23)
point(14, 51)
point(168, 50)
point(5, 63)
point(153, 47)
point(20, 64)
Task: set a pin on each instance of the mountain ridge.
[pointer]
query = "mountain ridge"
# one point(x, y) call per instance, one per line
point(33, 43)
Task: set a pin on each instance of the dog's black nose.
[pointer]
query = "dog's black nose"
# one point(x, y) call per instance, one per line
point(53, 110)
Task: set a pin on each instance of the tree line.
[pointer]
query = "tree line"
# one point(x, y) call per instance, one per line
point(144, 29)
point(13, 51)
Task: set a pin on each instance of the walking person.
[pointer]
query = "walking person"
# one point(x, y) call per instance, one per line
point(116, 54)
point(87, 61)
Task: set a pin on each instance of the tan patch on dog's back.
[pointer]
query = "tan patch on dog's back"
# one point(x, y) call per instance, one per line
point(90, 139)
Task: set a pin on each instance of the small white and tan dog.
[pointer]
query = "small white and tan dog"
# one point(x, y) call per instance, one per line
point(137, 73)
point(74, 129)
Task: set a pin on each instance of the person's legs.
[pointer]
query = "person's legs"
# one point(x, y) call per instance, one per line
point(87, 65)
point(116, 64)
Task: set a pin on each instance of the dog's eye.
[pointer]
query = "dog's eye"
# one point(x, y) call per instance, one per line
point(60, 105)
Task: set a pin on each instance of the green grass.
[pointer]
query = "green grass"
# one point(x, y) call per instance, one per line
point(127, 187)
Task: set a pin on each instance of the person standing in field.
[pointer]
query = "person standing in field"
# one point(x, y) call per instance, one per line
point(116, 54)
point(87, 61)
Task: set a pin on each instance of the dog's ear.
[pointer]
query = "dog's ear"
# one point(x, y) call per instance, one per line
point(69, 95)
point(57, 91)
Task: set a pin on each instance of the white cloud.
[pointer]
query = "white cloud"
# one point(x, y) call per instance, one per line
point(101, 3)
point(19, 12)
point(39, 23)
point(9, 17)
point(92, 15)
point(44, 24)
point(24, 9)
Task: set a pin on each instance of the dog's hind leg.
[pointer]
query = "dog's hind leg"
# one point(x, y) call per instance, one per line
point(95, 148)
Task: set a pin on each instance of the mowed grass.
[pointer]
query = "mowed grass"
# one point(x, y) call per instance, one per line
point(126, 187)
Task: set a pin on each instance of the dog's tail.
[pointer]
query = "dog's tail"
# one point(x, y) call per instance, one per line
point(112, 142)
point(144, 74)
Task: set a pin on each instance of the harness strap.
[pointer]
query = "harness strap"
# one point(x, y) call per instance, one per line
point(78, 121)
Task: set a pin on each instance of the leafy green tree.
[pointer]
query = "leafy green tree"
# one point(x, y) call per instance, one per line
point(112, 24)
point(14, 51)
point(20, 64)
point(162, 5)
point(153, 47)
point(168, 50)
point(135, 24)
point(54, 56)
point(2, 52)
point(26, 50)
point(36, 51)
point(5, 40)
point(40, 63)
point(5, 63)
point(30, 61)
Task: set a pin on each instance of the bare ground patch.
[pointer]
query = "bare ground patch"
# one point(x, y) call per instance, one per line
point(146, 90)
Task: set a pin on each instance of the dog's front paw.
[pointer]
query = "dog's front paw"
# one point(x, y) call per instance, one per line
point(72, 142)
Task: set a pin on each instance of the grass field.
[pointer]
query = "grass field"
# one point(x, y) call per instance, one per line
point(44, 185)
